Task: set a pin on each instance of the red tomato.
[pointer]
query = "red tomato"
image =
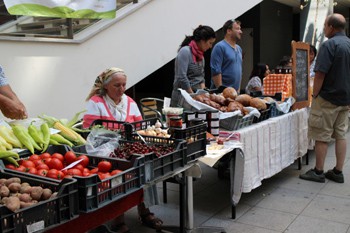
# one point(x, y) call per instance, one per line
point(79, 166)
point(86, 172)
point(21, 168)
point(38, 162)
point(103, 176)
point(94, 170)
point(116, 171)
point(52, 173)
point(11, 166)
point(85, 160)
point(45, 155)
point(28, 163)
point(74, 172)
point(104, 166)
point(42, 166)
point(70, 157)
point(60, 175)
point(42, 172)
point(68, 176)
point(58, 156)
point(34, 157)
point(55, 163)
point(32, 170)
point(46, 160)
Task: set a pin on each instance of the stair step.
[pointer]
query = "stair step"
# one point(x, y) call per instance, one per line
point(50, 24)
point(17, 34)
point(59, 29)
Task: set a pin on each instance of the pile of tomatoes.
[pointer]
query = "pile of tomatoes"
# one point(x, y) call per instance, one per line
point(55, 166)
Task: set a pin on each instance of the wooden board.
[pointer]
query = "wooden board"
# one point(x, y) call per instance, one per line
point(301, 74)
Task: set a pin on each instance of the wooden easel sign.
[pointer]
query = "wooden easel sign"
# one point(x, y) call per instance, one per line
point(301, 74)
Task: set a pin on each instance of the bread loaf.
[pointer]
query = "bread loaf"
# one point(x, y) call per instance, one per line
point(244, 99)
point(229, 92)
point(258, 103)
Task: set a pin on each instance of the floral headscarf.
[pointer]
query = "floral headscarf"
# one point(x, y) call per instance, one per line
point(98, 88)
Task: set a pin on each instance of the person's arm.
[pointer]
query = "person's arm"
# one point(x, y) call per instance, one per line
point(318, 82)
point(217, 79)
point(181, 67)
point(10, 105)
point(216, 61)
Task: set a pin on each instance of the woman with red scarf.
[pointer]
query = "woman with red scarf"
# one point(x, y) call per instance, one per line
point(189, 62)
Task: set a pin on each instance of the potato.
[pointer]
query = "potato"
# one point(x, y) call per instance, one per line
point(46, 194)
point(4, 191)
point(26, 204)
point(36, 192)
point(13, 203)
point(25, 184)
point(2, 181)
point(54, 195)
point(25, 197)
point(12, 180)
point(25, 189)
point(14, 187)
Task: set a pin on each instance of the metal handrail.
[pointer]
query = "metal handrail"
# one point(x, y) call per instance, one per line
point(63, 30)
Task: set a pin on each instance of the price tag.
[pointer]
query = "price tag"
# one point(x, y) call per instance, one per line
point(37, 226)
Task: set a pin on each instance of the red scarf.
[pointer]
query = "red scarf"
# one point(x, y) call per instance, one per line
point(197, 54)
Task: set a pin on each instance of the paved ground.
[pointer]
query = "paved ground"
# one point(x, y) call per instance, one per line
point(283, 203)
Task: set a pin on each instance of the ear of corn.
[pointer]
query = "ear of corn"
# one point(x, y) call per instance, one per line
point(66, 132)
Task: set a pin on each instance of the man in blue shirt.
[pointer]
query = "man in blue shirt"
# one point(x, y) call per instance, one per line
point(10, 105)
point(226, 58)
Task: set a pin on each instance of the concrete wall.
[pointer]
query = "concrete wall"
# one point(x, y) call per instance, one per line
point(55, 78)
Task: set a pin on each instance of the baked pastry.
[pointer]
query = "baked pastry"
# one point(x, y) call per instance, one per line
point(258, 103)
point(244, 99)
point(230, 92)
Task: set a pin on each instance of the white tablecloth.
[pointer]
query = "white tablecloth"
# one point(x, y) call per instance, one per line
point(272, 145)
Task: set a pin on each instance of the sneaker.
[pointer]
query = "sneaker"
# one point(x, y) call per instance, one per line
point(312, 176)
point(339, 178)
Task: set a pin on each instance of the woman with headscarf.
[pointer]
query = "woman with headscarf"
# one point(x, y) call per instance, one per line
point(107, 101)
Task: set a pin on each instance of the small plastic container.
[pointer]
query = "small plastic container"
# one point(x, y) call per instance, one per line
point(214, 131)
point(202, 115)
point(214, 123)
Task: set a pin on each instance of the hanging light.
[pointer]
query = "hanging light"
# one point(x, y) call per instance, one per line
point(303, 3)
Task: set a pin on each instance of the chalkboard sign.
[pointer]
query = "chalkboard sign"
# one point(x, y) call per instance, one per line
point(300, 71)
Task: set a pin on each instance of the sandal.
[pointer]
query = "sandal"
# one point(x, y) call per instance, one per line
point(151, 221)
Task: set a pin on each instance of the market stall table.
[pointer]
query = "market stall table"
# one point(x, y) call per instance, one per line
point(267, 148)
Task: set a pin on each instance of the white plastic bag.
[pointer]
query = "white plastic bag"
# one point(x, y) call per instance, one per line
point(102, 142)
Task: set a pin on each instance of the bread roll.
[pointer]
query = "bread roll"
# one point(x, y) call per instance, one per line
point(234, 106)
point(244, 99)
point(258, 103)
point(229, 92)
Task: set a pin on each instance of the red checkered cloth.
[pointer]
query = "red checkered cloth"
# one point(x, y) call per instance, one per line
point(275, 83)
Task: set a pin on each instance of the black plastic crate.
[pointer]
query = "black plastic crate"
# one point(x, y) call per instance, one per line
point(274, 111)
point(264, 115)
point(196, 139)
point(156, 167)
point(45, 214)
point(236, 122)
point(94, 193)
point(110, 124)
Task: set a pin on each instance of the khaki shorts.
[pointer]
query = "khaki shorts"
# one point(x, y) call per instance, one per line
point(327, 120)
